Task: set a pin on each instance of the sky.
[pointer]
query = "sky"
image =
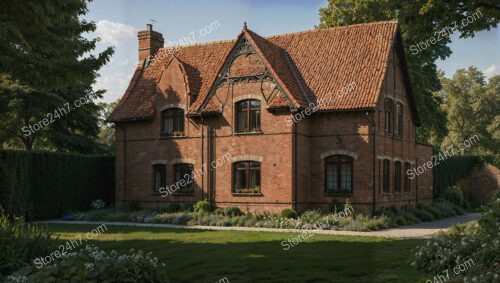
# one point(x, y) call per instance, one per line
point(118, 22)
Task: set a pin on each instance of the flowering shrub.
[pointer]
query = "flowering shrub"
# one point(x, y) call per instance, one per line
point(91, 264)
point(479, 242)
point(98, 204)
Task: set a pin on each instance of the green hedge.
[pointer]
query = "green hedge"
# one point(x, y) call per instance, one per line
point(449, 171)
point(41, 185)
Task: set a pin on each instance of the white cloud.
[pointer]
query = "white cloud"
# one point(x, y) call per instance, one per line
point(492, 70)
point(115, 85)
point(113, 32)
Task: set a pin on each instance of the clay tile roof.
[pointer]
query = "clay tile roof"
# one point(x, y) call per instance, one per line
point(339, 68)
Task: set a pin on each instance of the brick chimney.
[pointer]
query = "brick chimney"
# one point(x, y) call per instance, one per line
point(149, 42)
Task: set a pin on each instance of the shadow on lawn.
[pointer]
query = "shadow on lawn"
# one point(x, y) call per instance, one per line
point(208, 256)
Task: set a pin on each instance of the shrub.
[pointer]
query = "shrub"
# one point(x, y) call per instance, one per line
point(445, 208)
point(95, 215)
point(432, 210)
point(173, 207)
point(91, 264)
point(288, 213)
point(310, 216)
point(410, 218)
point(133, 205)
point(378, 223)
point(424, 215)
point(98, 204)
point(20, 243)
point(188, 207)
point(219, 211)
point(452, 195)
point(202, 206)
point(232, 211)
point(117, 216)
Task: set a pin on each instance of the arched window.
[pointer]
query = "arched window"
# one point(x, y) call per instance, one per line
point(399, 119)
point(246, 177)
point(388, 110)
point(173, 122)
point(248, 116)
point(338, 172)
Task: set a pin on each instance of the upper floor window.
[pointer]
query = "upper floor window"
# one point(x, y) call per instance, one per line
point(248, 116)
point(397, 177)
point(338, 174)
point(246, 177)
point(388, 109)
point(386, 171)
point(159, 177)
point(183, 173)
point(399, 119)
point(173, 122)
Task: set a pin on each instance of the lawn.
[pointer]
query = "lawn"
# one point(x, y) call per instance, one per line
point(208, 256)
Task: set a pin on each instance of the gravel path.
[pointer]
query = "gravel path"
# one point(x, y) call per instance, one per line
point(421, 230)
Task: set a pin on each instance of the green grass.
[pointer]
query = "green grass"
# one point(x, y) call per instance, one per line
point(207, 256)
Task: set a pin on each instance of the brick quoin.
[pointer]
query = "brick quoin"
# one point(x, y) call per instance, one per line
point(348, 122)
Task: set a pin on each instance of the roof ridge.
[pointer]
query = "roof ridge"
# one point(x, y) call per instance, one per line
point(276, 35)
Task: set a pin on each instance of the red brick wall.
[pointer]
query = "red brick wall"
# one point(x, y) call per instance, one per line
point(317, 136)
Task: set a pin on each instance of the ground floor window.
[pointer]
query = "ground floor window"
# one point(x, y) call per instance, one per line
point(406, 186)
point(385, 175)
point(246, 177)
point(159, 177)
point(397, 177)
point(184, 178)
point(338, 174)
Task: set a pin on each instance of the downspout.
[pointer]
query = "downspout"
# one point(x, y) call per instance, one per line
point(295, 161)
point(374, 194)
point(202, 158)
point(124, 164)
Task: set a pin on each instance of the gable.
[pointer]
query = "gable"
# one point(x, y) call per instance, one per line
point(305, 67)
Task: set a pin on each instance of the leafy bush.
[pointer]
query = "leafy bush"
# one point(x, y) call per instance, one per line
point(232, 211)
point(91, 264)
point(202, 206)
point(133, 205)
point(477, 243)
point(451, 170)
point(424, 215)
point(98, 204)
point(452, 195)
point(174, 207)
point(20, 243)
point(310, 216)
point(188, 207)
point(377, 223)
point(95, 215)
point(288, 213)
point(432, 210)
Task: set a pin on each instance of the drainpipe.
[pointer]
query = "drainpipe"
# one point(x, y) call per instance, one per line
point(374, 194)
point(202, 158)
point(295, 166)
point(124, 164)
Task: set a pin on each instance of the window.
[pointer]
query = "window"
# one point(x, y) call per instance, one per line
point(159, 177)
point(338, 174)
point(385, 176)
point(248, 116)
point(173, 122)
point(184, 182)
point(246, 177)
point(388, 105)
point(399, 119)
point(406, 186)
point(397, 177)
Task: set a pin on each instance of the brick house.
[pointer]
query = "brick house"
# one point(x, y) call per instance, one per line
point(296, 120)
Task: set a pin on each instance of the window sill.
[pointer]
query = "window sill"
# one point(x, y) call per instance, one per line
point(173, 137)
point(338, 194)
point(247, 194)
point(248, 133)
point(183, 194)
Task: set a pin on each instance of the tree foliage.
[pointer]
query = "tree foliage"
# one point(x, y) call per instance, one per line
point(473, 108)
point(46, 65)
point(419, 21)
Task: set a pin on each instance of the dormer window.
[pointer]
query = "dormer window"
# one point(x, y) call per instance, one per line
point(173, 122)
point(248, 116)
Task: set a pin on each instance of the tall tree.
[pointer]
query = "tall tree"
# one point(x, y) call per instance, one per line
point(426, 27)
point(47, 66)
point(473, 108)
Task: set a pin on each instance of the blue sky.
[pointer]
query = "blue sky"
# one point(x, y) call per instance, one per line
point(119, 20)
